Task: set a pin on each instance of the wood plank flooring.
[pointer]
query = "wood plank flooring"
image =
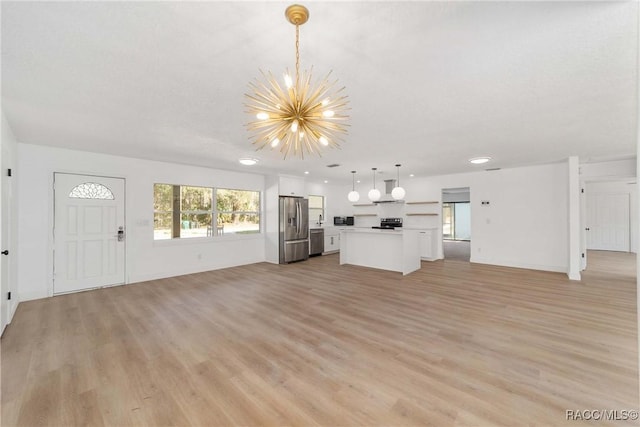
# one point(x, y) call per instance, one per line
point(316, 343)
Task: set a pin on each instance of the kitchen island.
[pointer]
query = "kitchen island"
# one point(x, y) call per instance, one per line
point(394, 250)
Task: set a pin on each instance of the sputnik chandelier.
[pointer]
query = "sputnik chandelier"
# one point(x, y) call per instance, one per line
point(301, 116)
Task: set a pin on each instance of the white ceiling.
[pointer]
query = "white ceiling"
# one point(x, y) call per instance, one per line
point(431, 84)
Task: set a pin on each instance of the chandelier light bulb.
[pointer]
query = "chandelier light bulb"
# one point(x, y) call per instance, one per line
point(306, 114)
point(288, 81)
point(275, 142)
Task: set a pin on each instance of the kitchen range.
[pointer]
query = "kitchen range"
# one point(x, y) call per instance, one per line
point(389, 224)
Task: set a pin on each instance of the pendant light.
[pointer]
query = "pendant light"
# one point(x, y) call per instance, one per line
point(374, 193)
point(353, 195)
point(398, 192)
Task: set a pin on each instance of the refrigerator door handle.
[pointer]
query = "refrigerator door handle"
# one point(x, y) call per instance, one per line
point(298, 212)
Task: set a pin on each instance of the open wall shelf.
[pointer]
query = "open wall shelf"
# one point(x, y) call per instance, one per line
point(422, 203)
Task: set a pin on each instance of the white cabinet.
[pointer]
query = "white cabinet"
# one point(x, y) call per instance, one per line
point(427, 245)
point(292, 186)
point(331, 239)
point(331, 243)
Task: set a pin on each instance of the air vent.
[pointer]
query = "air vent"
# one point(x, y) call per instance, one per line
point(333, 165)
point(493, 169)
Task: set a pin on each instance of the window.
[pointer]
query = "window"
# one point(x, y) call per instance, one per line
point(163, 196)
point(91, 190)
point(195, 211)
point(182, 211)
point(316, 208)
point(238, 211)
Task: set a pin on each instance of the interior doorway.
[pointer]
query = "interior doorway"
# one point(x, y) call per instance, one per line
point(456, 223)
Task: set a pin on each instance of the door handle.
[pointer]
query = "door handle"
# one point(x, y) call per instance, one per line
point(120, 234)
point(5, 252)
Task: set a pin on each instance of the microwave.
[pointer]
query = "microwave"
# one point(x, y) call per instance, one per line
point(343, 220)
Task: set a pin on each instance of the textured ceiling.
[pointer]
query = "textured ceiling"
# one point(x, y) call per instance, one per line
point(431, 84)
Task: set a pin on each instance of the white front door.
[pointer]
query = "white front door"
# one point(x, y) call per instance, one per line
point(88, 233)
point(608, 221)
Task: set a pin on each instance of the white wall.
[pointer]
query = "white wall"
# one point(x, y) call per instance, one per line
point(10, 197)
point(462, 196)
point(607, 171)
point(146, 259)
point(525, 224)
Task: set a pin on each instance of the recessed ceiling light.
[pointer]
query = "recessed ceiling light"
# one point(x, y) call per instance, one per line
point(358, 181)
point(326, 182)
point(479, 160)
point(248, 161)
point(411, 175)
point(306, 172)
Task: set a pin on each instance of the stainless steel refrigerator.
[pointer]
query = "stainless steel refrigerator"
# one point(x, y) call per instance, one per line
point(294, 229)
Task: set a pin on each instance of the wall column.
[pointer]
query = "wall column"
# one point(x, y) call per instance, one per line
point(574, 219)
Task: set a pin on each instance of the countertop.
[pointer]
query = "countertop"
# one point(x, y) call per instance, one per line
point(373, 230)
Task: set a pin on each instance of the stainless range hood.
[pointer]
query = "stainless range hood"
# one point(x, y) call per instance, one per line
point(389, 185)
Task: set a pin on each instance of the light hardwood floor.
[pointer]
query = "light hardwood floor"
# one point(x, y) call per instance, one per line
point(316, 343)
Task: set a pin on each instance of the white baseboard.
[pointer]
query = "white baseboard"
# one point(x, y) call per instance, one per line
point(29, 296)
point(183, 271)
point(542, 267)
